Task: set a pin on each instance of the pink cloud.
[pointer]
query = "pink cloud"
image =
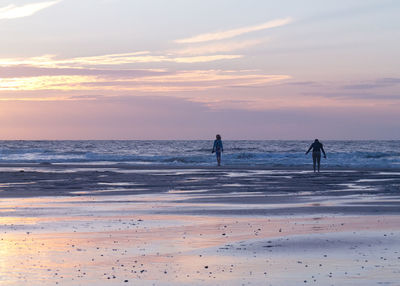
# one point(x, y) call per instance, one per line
point(30, 71)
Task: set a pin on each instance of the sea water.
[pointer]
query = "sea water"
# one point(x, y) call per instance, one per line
point(272, 153)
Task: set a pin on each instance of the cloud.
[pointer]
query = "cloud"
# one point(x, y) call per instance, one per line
point(217, 47)
point(142, 82)
point(382, 82)
point(204, 59)
point(113, 60)
point(32, 71)
point(222, 35)
point(139, 57)
point(119, 59)
point(355, 96)
point(13, 12)
point(302, 83)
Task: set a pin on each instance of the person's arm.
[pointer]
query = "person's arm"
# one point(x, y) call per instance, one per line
point(215, 145)
point(323, 151)
point(222, 147)
point(309, 149)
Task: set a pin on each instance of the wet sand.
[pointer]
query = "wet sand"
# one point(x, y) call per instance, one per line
point(129, 225)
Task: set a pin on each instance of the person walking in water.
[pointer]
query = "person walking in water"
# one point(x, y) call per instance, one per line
point(218, 148)
point(316, 147)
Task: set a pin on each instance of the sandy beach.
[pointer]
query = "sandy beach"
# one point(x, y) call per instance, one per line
point(119, 224)
point(175, 143)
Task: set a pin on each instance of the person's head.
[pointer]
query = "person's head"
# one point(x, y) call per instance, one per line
point(316, 141)
point(218, 137)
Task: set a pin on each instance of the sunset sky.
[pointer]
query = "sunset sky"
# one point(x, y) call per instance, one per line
point(188, 69)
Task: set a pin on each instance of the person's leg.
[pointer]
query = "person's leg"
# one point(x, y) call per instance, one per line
point(314, 159)
point(319, 161)
point(219, 158)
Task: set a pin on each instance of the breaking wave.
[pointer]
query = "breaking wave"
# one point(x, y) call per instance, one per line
point(267, 153)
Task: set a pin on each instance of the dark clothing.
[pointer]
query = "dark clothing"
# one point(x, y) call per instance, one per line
point(316, 156)
point(317, 147)
point(316, 153)
point(218, 146)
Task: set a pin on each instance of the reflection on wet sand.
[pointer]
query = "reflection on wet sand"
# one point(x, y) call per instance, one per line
point(66, 244)
point(110, 226)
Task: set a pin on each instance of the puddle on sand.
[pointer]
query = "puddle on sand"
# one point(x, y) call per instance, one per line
point(187, 191)
point(163, 171)
point(117, 184)
point(389, 173)
point(233, 185)
point(354, 187)
point(6, 185)
point(373, 180)
point(107, 191)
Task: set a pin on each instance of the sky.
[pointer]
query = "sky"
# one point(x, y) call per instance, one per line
point(189, 69)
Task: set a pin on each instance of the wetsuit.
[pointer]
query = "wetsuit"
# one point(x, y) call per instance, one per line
point(218, 148)
point(316, 147)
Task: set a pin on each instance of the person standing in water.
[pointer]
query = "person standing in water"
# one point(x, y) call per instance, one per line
point(316, 147)
point(218, 148)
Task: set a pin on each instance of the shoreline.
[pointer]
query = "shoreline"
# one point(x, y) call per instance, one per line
point(260, 191)
point(119, 165)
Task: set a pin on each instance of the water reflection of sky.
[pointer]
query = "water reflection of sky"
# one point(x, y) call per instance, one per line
point(99, 240)
point(113, 239)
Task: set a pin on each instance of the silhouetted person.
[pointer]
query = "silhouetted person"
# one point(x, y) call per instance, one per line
point(218, 148)
point(316, 147)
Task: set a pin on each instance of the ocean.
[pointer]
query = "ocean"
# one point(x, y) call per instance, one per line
point(272, 153)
